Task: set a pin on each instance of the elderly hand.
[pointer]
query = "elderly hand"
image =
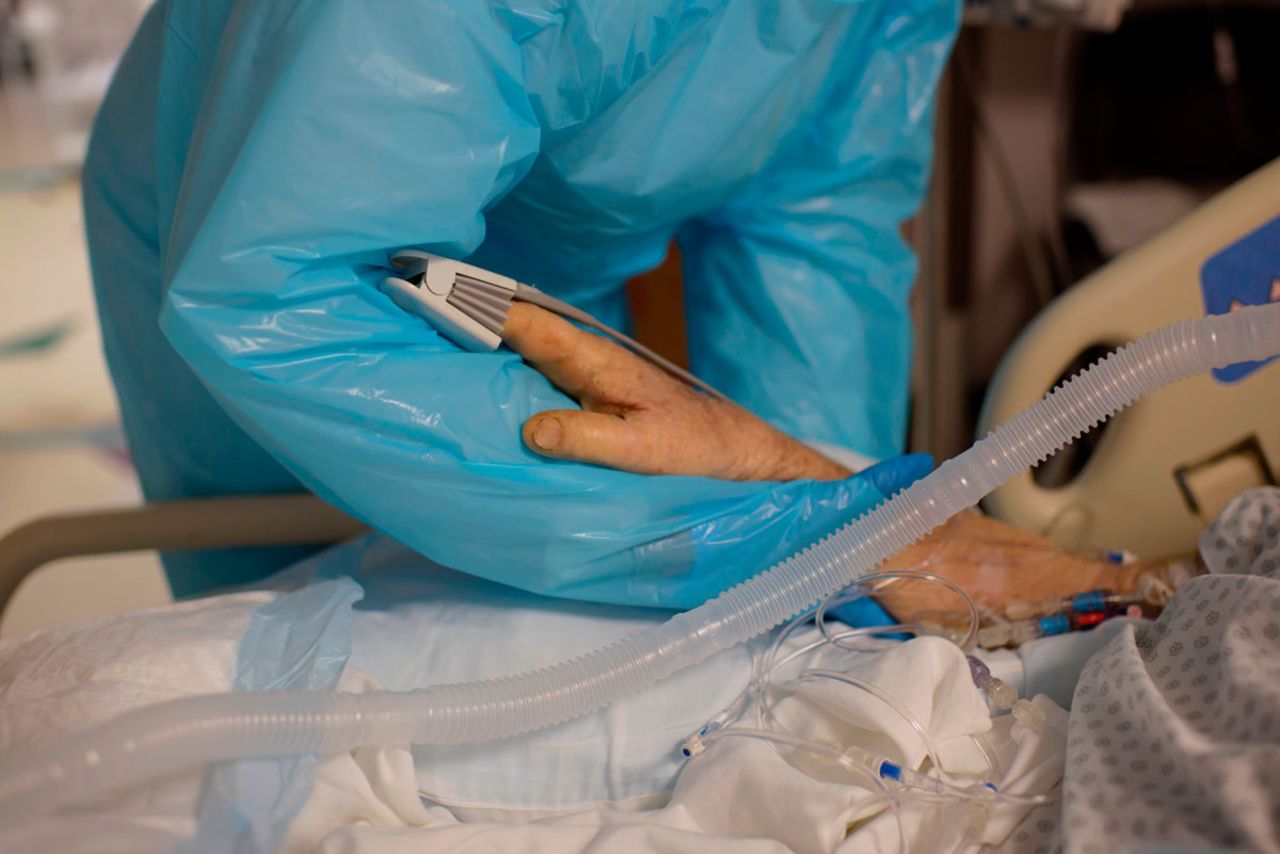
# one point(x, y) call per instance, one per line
point(995, 562)
point(636, 417)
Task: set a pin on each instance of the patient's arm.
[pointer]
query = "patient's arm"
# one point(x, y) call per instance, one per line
point(637, 418)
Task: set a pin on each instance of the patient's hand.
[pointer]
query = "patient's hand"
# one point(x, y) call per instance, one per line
point(995, 562)
point(636, 417)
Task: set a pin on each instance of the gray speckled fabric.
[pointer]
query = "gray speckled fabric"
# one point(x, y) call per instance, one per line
point(1174, 736)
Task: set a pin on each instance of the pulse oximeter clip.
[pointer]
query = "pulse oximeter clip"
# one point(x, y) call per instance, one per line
point(469, 306)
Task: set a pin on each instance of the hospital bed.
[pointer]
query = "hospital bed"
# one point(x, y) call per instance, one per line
point(1162, 470)
point(196, 524)
point(218, 523)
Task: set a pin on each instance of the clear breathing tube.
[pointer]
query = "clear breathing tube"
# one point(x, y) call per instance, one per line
point(150, 742)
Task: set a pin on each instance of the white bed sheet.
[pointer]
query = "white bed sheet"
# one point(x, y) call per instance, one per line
point(738, 794)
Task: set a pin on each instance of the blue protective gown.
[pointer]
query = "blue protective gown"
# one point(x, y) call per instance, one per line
point(256, 161)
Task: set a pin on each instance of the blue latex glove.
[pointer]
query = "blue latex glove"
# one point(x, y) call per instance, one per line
point(257, 161)
point(892, 476)
point(844, 502)
point(888, 477)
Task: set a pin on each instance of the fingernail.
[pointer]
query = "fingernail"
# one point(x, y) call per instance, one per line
point(547, 434)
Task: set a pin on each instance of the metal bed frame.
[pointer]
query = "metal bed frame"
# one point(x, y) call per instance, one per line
point(192, 525)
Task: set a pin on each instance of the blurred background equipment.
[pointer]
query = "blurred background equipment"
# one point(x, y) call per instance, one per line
point(61, 448)
point(1091, 14)
point(56, 59)
point(1059, 149)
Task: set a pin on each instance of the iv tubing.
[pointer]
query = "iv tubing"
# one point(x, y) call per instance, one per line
point(966, 642)
point(160, 739)
point(767, 664)
point(930, 749)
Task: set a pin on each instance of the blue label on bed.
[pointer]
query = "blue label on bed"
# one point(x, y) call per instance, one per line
point(1245, 273)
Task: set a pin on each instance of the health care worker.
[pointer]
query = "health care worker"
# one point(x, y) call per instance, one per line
point(257, 162)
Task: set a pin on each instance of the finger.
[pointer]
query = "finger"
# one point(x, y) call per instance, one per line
point(582, 365)
point(592, 437)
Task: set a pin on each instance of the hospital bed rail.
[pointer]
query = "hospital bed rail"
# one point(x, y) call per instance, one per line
point(189, 525)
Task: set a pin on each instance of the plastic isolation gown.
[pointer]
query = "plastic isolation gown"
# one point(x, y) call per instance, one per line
point(257, 161)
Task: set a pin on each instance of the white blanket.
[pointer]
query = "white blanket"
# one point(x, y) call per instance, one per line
point(739, 794)
point(1174, 736)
